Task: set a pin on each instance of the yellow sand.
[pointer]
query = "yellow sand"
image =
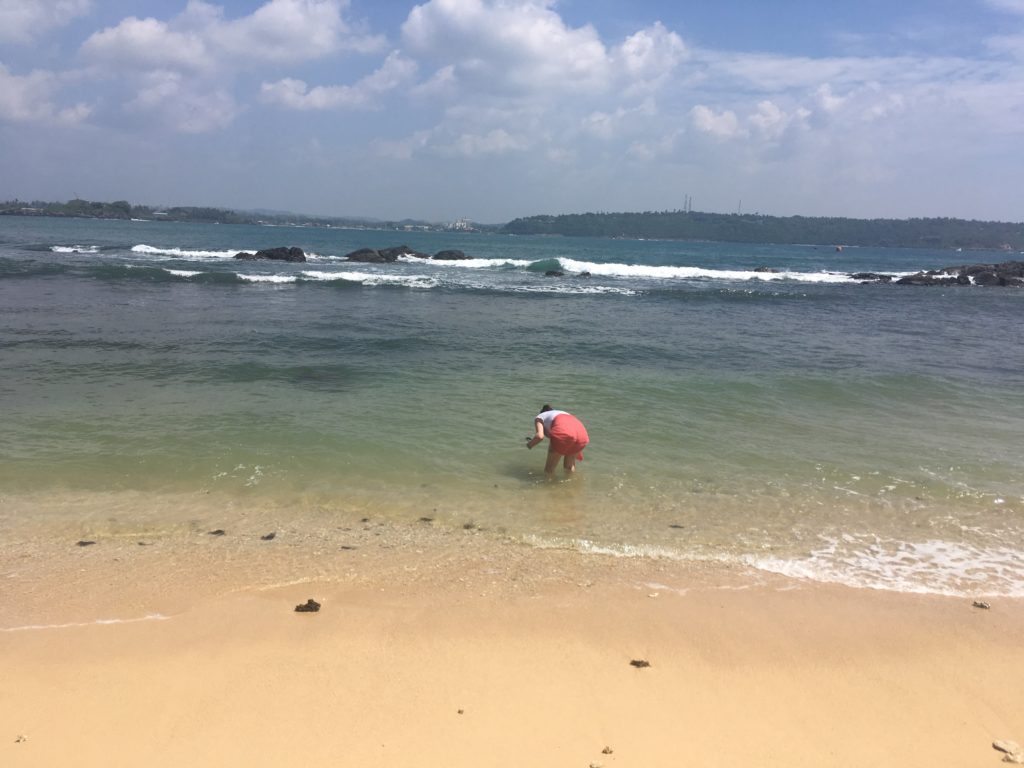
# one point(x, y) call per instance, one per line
point(498, 669)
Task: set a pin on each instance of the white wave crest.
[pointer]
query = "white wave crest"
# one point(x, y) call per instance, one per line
point(75, 248)
point(468, 263)
point(182, 253)
point(369, 278)
point(183, 272)
point(690, 273)
point(268, 278)
point(570, 289)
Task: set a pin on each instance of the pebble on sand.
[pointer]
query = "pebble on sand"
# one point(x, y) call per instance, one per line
point(1014, 754)
point(84, 543)
point(640, 663)
point(310, 606)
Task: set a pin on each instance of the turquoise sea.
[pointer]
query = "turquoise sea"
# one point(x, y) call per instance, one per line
point(793, 421)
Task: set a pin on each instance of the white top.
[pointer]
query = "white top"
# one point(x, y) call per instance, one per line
point(547, 418)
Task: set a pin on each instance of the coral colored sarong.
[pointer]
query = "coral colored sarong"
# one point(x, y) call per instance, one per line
point(568, 435)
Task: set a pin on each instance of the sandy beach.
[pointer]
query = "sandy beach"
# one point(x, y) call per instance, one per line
point(480, 652)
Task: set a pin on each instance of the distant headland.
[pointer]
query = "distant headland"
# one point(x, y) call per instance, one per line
point(123, 210)
point(937, 233)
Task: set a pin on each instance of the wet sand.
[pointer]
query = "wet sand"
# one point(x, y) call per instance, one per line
point(446, 648)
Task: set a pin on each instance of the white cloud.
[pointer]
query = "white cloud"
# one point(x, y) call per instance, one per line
point(22, 21)
point(1010, 6)
point(402, 149)
point(515, 46)
point(148, 44)
point(29, 99)
point(190, 60)
point(296, 94)
point(495, 142)
point(722, 125)
point(609, 125)
point(201, 38)
point(169, 96)
point(651, 55)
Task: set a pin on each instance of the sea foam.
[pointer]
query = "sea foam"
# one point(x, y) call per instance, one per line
point(690, 273)
point(75, 248)
point(182, 253)
point(927, 567)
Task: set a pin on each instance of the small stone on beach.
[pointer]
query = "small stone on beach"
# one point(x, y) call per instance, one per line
point(268, 537)
point(981, 604)
point(84, 543)
point(426, 519)
point(606, 751)
point(640, 663)
point(1014, 754)
point(20, 739)
point(310, 606)
point(218, 532)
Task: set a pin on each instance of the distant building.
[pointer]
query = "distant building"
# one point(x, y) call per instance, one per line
point(462, 225)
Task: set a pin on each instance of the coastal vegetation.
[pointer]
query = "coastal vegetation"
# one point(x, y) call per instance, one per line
point(663, 225)
point(755, 228)
point(121, 209)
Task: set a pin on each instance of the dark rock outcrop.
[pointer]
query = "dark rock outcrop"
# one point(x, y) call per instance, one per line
point(450, 255)
point(871, 277)
point(554, 273)
point(1009, 273)
point(273, 254)
point(310, 606)
point(384, 255)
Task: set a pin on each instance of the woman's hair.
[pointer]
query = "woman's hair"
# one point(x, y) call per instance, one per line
point(546, 407)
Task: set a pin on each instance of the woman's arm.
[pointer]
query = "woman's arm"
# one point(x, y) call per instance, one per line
point(539, 436)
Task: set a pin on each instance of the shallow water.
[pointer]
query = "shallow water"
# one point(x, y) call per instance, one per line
point(794, 420)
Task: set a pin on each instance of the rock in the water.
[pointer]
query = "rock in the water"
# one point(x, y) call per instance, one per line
point(365, 255)
point(273, 254)
point(384, 255)
point(84, 543)
point(1009, 273)
point(766, 269)
point(554, 273)
point(310, 606)
point(392, 254)
point(450, 255)
point(640, 663)
point(871, 277)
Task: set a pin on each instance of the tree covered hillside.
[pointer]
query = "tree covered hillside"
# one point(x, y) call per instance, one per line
point(752, 228)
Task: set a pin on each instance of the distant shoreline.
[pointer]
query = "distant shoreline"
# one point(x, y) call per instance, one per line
point(683, 226)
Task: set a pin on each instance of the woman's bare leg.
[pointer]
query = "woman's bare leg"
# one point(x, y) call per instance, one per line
point(569, 463)
point(551, 463)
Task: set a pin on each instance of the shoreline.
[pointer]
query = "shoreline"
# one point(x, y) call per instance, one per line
point(496, 655)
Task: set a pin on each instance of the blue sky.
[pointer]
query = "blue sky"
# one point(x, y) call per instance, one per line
point(492, 109)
